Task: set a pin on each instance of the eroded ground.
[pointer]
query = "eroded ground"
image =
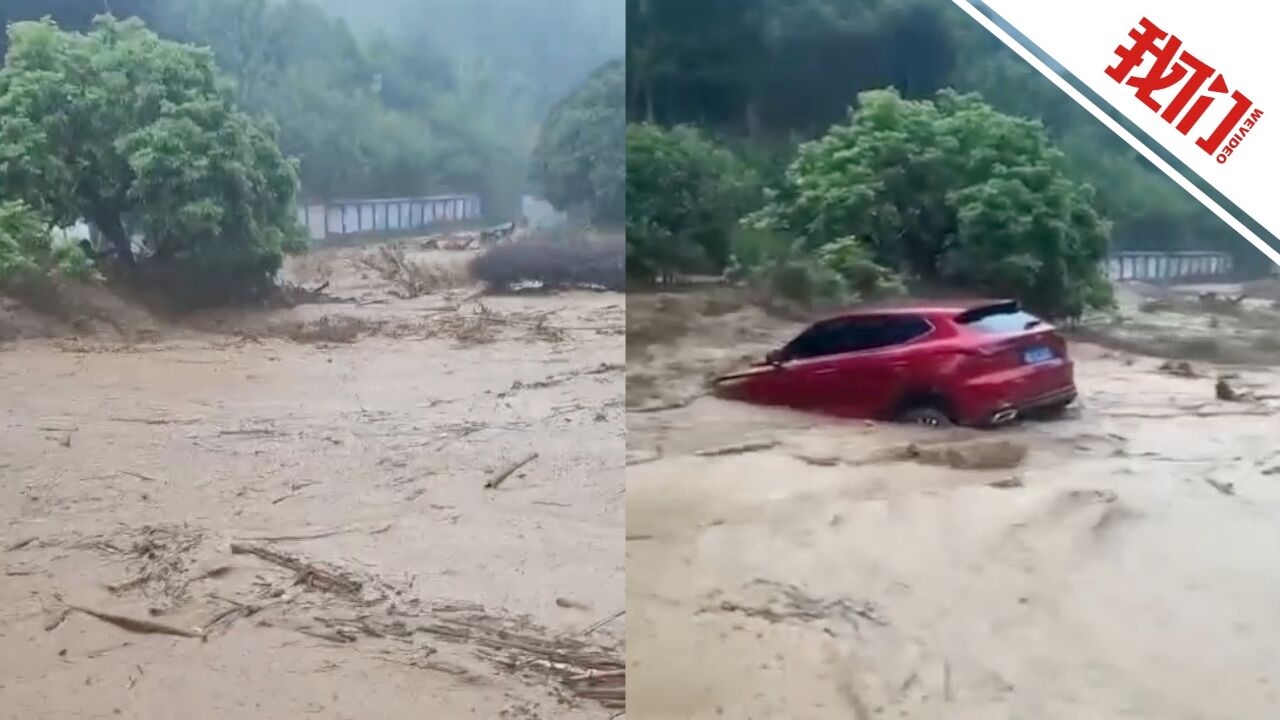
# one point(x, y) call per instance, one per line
point(1119, 563)
point(345, 447)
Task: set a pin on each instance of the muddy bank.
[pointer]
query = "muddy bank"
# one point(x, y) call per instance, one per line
point(1116, 563)
point(132, 467)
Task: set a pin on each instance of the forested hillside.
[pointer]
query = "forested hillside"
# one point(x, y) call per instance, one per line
point(386, 97)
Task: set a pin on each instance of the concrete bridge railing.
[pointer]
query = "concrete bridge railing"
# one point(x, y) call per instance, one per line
point(1163, 266)
point(334, 218)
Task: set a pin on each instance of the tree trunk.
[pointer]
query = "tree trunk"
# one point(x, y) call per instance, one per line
point(113, 229)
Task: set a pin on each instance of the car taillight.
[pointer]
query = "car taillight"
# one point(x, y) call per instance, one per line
point(1060, 345)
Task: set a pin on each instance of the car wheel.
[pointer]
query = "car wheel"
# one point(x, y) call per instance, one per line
point(926, 416)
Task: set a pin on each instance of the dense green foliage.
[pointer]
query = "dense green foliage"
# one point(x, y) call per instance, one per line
point(769, 74)
point(684, 195)
point(578, 161)
point(119, 124)
point(945, 192)
point(27, 252)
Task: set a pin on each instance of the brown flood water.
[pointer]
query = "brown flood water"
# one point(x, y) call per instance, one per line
point(1124, 568)
point(130, 467)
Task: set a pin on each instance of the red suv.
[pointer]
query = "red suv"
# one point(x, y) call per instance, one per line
point(981, 363)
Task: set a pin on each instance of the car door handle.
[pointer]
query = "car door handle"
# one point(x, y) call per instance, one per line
point(826, 371)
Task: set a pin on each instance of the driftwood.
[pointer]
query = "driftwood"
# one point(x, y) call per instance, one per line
point(135, 625)
point(1225, 488)
point(742, 449)
point(378, 530)
point(596, 626)
point(21, 544)
point(498, 478)
point(307, 572)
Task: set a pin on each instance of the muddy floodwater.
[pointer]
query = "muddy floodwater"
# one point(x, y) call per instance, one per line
point(285, 514)
point(1118, 563)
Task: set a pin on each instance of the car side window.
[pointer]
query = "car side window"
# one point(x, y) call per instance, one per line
point(836, 337)
point(899, 330)
point(817, 341)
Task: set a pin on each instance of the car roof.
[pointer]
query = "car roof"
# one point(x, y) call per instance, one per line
point(949, 307)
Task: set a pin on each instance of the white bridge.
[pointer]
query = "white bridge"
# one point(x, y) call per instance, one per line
point(386, 215)
point(1157, 266)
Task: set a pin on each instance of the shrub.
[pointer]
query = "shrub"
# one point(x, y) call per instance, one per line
point(685, 194)
point(590, 264)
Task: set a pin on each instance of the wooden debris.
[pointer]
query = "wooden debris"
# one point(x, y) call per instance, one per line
point(307, 572)
point(122, 586)
point(377, 530)
point(498, 478)
point(56, 619)
point(741, 449)
point(1179, 368)
point(294, 489)
point(642, 458)
point(134, 625)
point(1226, 393)
point(596, 626)
point(336, 636)
point(230, 612)
point(21, 544)
point(818, 460)
point(1225, 488)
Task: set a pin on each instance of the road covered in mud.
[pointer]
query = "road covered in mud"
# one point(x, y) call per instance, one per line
point(1119, 562)
point(406, 497)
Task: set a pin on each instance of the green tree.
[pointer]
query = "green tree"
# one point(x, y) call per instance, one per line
point(27, 253)
point(579, 161)
point(684, 194)
point(118, 124)
point(952, 192)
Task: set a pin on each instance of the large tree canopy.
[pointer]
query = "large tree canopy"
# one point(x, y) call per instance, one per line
point(949, 191)
point(579, 161)
point(118, 125)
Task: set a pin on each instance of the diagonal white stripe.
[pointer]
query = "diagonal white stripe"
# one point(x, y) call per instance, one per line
point(1118, 129)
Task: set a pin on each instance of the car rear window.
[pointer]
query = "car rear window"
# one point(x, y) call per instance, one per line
point(1000, 320)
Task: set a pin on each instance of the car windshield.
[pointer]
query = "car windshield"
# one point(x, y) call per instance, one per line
point(1000, 320)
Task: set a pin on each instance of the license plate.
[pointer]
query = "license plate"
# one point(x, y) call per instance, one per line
point(1037, 355)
